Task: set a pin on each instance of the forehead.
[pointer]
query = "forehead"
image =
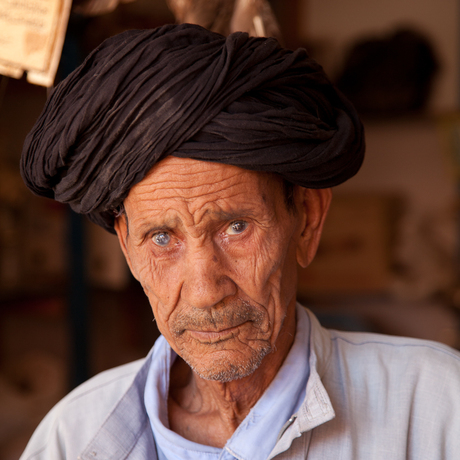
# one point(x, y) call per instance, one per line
point(199, 182)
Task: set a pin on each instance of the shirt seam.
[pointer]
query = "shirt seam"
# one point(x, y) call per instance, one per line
point(429, 346)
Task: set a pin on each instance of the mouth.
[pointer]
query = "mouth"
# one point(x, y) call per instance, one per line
point(211, 337)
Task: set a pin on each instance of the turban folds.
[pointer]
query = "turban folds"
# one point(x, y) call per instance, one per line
point(184, 91)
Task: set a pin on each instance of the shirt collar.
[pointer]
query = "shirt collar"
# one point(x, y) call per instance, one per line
point(316, 408)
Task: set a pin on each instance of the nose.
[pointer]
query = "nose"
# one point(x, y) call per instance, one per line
point(206, 279)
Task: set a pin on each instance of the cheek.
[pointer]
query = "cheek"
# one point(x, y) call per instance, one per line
point(259, 268)
point(160, 284)
point(275, 272)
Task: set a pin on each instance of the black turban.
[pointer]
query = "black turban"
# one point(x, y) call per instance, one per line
point(185, 91)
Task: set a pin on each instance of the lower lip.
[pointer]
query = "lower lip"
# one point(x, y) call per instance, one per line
point(214, 337)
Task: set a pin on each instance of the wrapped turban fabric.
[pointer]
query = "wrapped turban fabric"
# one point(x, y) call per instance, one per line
point(184, 91)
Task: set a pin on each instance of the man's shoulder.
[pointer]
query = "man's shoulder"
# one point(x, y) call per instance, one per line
point(402, 364)
point(359, 357)
point(72, 423)
point(387, 387)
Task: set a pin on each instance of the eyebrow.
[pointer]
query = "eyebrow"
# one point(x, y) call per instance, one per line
point(231, 215)
point(149, 227)
point(174, 222)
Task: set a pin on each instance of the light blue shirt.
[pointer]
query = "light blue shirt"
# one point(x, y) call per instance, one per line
point(256, 436)
point(368, 397)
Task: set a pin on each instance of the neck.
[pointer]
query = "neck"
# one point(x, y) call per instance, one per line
point(208, 411)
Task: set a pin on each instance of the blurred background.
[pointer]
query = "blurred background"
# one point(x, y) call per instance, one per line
point(389, 259)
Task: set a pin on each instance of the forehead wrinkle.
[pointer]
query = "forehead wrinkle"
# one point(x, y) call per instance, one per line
point(203, 188)
point(187, 174)
point(198, 193)
point(204, 200)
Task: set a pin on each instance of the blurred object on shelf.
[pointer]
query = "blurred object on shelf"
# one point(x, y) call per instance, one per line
point(425, 255)
point(354, 254)
point(226, 16)
point(373, 243)
point(389, 75)
point(96, 7)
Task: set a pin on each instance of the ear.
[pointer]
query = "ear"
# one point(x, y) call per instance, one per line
point(313, 208)
point(121, 227)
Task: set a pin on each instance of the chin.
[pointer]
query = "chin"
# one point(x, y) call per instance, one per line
point(225, 369)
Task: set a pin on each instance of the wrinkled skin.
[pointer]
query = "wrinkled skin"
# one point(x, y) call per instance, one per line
point(216, 250)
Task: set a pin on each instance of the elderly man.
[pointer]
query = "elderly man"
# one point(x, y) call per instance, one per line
point(211, 158)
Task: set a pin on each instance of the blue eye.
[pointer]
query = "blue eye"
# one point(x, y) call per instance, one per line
point(237, 227)
point(161, 239)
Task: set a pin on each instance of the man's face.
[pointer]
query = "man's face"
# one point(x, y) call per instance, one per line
point(214, 248)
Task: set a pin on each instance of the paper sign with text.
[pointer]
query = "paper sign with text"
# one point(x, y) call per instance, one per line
point(31, 37)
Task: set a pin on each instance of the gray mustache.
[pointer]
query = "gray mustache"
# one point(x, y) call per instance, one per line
point(222, 316)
